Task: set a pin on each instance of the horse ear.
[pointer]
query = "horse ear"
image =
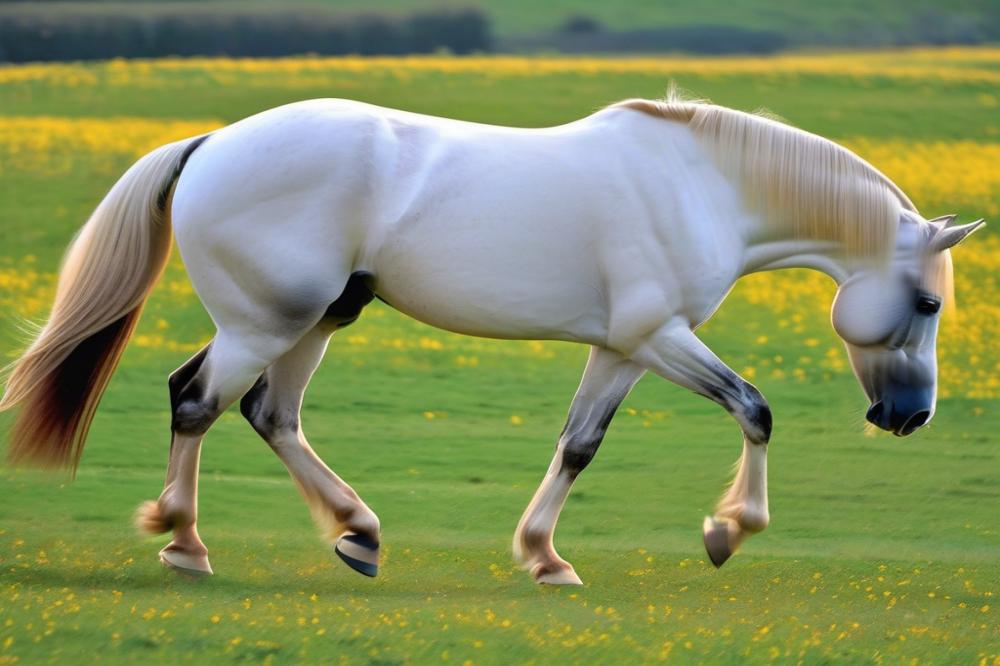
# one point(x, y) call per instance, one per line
point(943, 221)
point(950, 236)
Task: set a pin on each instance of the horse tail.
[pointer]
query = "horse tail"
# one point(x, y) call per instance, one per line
point(105, 278)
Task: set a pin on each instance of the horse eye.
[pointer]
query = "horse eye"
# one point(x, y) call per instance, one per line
point(928, 304)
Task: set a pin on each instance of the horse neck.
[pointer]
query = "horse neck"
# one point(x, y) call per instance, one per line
point(833, 257)
point(799, 186)
point(822, 255)
point(778, 251)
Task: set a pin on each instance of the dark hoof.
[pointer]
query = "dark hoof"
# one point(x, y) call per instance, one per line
point(359, 552)
point(716, 535)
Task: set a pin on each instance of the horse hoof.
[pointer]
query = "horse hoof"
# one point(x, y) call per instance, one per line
point(358, 552)
point(196, 566)
point(557, 576)
point(716, 536)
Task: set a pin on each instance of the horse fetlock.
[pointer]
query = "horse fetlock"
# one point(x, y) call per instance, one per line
point(520, 550)
point(530, 541)
point(177, 511)
point(749, 516)
point(533, 551)
point(356, 518)
point(363, 519)
point(163, 515)
point(150, 519)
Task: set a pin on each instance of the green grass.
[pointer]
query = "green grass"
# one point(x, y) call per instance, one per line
point(880, 549)
point(828, 104)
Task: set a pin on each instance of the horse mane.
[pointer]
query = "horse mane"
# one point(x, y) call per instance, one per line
point(791, 178)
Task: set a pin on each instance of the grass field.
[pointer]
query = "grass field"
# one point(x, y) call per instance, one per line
point(880, 550)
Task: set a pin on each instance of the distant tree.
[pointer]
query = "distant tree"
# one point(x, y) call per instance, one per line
point(41, 32)
point(581, 24)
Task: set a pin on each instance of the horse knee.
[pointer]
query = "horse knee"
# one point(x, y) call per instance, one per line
point(578, 451)
point(191, 411)
point(761, 419)
point(194, 417)
point(755, 417)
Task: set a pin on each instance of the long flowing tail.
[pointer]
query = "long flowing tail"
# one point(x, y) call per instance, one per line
point(106, 276)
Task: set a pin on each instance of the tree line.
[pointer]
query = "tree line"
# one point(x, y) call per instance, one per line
point(93, 31)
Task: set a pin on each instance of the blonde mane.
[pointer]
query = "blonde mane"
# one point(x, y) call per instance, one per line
point(791, 178)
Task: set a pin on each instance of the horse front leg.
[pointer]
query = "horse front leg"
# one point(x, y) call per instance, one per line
point(607, 380)
point(675, 353)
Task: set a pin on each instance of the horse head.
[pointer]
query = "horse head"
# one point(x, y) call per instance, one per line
point(888, 318)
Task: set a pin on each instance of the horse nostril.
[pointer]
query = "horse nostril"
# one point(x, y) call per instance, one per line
point(914, 422)
point(875, 413)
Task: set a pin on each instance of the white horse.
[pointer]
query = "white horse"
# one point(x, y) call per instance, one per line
point(624, 231)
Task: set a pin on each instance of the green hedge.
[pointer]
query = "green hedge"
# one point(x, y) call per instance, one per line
point(582, 35)
point(91, 31)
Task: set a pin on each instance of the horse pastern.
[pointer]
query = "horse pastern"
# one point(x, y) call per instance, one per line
point(555, 574)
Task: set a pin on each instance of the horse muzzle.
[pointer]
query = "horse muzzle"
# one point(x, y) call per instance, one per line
point(900, 417)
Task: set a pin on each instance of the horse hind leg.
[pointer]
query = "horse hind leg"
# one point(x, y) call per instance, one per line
point(200, 391)
point(176, 509)
point(273, 408)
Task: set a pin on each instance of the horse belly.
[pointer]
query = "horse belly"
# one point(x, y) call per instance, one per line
point(494, 279)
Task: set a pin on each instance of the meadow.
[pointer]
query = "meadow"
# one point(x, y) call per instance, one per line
point(880, 549)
